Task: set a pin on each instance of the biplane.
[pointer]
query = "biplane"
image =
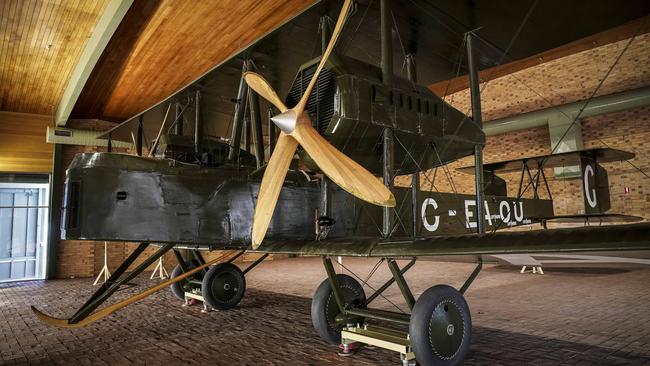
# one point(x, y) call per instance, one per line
point(348, 123)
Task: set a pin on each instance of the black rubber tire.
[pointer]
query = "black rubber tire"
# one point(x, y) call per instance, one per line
point(178, 288)
point(223, 286)
point(324, 308)
point(441, 327)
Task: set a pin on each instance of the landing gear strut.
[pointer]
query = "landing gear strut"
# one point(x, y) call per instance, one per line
point(222, 287)
point(439, 326)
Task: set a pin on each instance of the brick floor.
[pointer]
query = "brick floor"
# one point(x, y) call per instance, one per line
point(569, 316)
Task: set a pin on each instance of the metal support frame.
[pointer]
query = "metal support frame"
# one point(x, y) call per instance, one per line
point(387, 79)
point(325, 32)
point(104, 272)
point(401, 283)
point(240, 107)
point(521, 180)
point(324, 197)
point(475, 91)
point(138, 136)
point(548, 190)
point(388, 283)
point(254, 264)
point(389, 316)
point(54, 214)
point(241, 251)
point(256, 122)
point(410, 68)
point(472, 276)
point(334, 283)
point(389, 163)
point(180, 260)
point(113, 284)
point(178, 122)
point(415, 177)
point(415, 188)
point(160, 270)
point(198, 122)
point(197, 254)
point(533, 181)
point(246, 132)
point(386, 42)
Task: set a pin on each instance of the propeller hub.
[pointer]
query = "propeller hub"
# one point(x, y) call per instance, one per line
point(285, 121)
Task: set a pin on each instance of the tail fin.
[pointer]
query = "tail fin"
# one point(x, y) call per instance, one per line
point(595, 186)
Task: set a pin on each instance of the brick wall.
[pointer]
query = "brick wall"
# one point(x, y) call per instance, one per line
point(628, 130)
point(573, 78)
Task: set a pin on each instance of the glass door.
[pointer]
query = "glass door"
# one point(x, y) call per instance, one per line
point(23, 231)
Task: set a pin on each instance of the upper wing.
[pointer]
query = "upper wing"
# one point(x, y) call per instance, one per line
point(602, 155)
point(591, 238)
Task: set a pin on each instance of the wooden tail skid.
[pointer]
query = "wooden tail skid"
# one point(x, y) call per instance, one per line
point(100, 314)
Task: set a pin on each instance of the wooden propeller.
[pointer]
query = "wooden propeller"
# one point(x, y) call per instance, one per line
point(296, 128)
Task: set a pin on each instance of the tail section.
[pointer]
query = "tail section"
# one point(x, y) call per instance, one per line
point(595, 186)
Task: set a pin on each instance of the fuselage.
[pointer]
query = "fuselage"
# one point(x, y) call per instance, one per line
point(118, 197)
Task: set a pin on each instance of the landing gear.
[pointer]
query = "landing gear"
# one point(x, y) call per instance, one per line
point(179, 288)
point(223, 286)
point(325, 314)
point(441, 326)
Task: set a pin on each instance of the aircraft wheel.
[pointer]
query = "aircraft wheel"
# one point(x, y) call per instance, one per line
point(440, 328)
point(179, 288)
point(325, 314)
point(223, 286)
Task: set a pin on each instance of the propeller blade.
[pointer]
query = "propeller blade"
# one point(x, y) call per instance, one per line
point(335, 35)
point(264, 89)
point(345, 172)
point(272, 182)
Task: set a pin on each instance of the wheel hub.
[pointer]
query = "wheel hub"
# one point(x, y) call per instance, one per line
point(450, 329)
point(445, 320)
point(224, 287)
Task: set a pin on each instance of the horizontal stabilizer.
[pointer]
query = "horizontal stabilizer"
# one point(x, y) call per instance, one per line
point(570, 158)
point(592, 218)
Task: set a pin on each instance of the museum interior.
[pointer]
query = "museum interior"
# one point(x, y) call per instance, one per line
point(335, 182)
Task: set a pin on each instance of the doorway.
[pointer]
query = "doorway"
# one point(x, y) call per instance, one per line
point(23, 230)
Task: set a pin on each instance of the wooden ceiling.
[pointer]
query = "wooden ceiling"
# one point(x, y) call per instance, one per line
point(161, 46)
point(40, 42)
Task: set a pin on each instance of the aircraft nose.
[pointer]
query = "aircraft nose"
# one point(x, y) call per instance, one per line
point(285, 121)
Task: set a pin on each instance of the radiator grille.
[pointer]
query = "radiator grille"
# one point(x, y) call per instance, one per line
point(320, 104)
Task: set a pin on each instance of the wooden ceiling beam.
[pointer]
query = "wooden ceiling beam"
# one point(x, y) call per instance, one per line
point(106, 25)
point(625, 31)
